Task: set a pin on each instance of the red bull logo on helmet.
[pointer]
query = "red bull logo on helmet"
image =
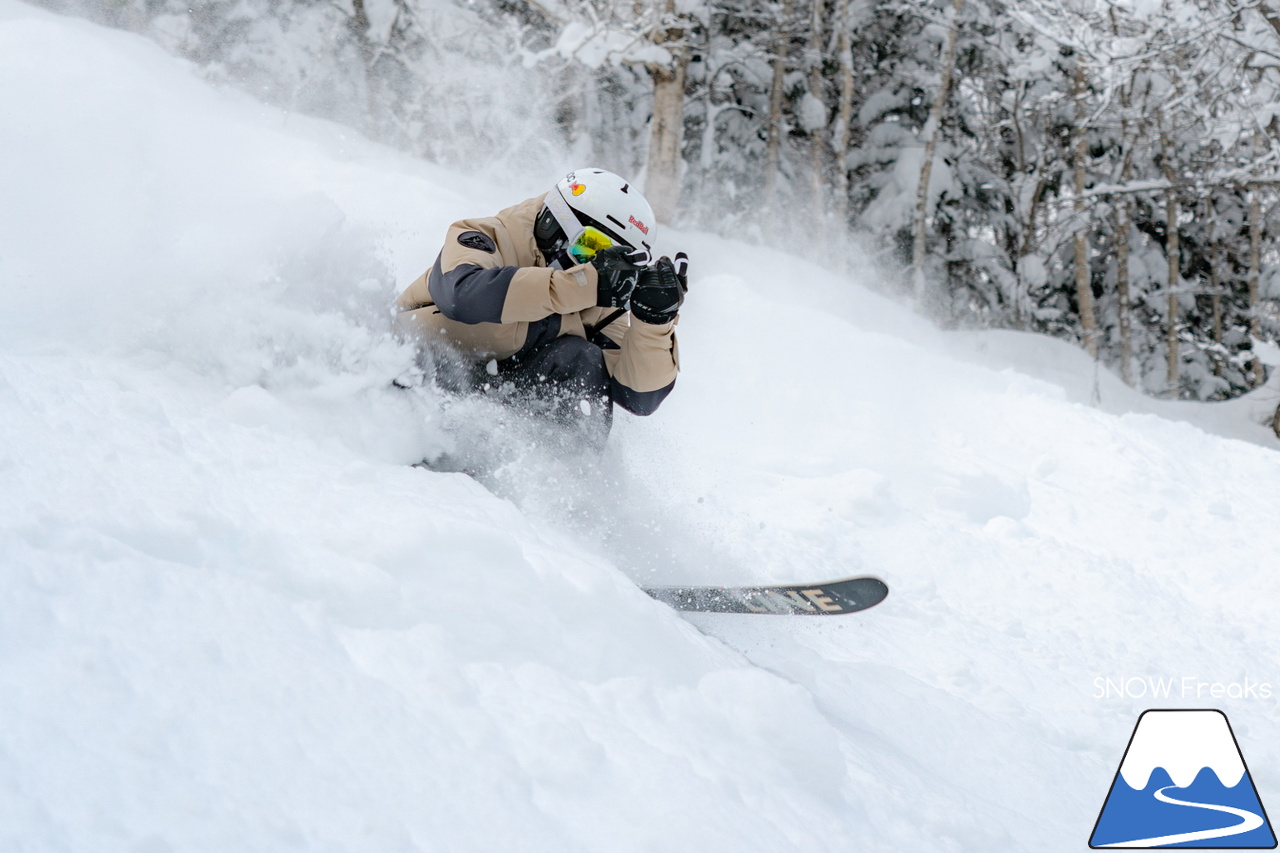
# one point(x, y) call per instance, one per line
point(644, 229)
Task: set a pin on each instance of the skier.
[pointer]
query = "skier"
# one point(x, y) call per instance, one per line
point(556, 305)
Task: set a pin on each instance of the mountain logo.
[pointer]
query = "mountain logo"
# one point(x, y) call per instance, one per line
point(1183, 783)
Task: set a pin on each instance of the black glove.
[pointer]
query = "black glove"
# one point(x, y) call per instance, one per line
point(660, 291)
point(617, 269)
point(682, 270)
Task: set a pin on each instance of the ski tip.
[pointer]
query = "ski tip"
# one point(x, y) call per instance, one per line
point(866, 590)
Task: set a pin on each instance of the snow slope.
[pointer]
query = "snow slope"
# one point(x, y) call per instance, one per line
point(233, 618)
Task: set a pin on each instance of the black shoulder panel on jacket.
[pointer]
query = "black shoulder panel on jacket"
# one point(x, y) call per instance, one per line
point(476, 240)
point(469, 294)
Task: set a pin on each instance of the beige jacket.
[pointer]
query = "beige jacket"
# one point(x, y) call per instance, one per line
point(490, 295)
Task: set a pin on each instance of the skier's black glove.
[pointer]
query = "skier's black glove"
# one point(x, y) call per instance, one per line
point(660, 292)
point(617, 270)
point(682, 270)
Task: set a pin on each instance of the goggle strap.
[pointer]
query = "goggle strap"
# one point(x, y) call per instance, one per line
point(564, 215)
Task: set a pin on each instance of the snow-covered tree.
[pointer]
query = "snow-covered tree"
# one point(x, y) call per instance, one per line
point(1100, 170)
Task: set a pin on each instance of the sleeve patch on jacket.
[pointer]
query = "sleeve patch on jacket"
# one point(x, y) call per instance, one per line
point(476, 240)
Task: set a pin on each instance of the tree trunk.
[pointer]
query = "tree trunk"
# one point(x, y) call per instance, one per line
point(1020, 242)
point(666, 134)
point(1084, 281)
point(1255, 274)
point(1124, 230)
point(932, 130)
point(1033, 197)
point(1124, 216)
point(1215, 281)
point(817, 143)
point(666, 129)
point(359, 26)
point(1174, 250)
point(844, 116)
point(773, 131)
point(1173, 254)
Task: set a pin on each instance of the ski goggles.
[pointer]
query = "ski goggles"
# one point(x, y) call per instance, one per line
point(588, 243)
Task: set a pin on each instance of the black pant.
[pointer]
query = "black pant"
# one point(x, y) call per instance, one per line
point(563, 382)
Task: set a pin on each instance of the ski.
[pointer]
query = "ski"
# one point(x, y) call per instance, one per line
point(826, 598)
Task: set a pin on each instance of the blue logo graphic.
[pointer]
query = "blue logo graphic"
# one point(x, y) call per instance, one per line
point(1183, 783)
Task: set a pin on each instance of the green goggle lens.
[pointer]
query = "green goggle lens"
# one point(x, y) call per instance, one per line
point(590, 241)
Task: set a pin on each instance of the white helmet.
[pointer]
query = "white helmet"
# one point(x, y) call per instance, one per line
point(601, 200)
